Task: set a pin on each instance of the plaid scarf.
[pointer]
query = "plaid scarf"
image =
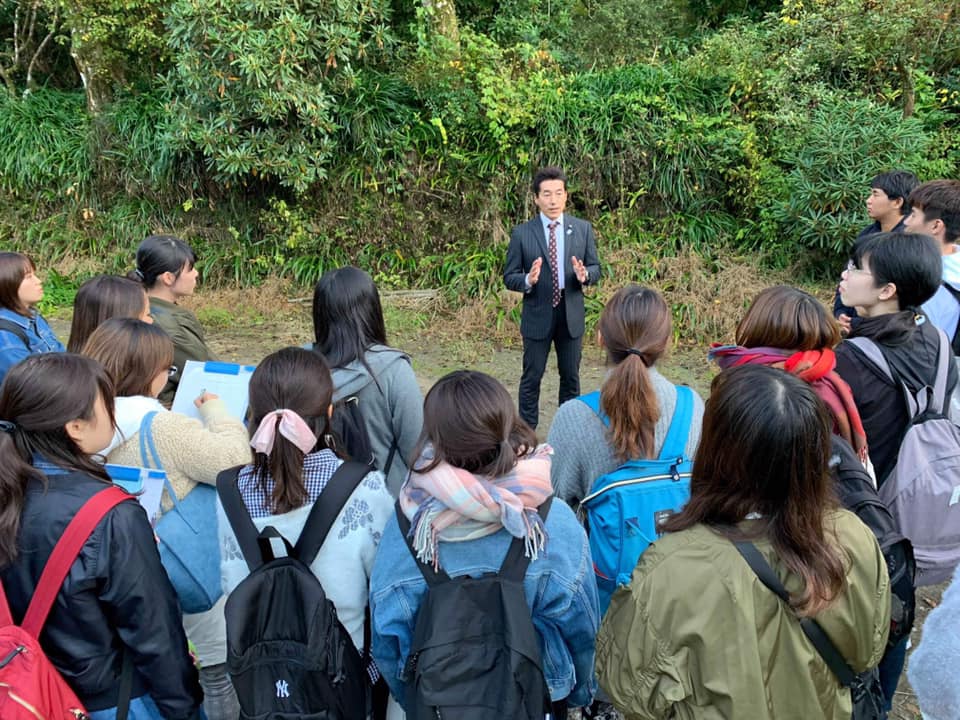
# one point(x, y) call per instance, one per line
point(453, 505)
point(815, 367)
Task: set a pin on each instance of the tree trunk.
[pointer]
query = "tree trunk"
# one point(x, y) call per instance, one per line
point(96, 76)
point(443, 21)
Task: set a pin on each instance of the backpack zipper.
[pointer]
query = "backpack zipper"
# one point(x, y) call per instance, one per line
point(13, 653)
point(673, 475)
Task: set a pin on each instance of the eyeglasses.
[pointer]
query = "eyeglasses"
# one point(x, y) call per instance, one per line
point(852, 269)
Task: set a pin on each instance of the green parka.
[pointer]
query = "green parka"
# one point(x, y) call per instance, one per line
point(697, 635)
point(188, 341)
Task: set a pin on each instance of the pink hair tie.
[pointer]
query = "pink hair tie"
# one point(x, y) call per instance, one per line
point(291, 426)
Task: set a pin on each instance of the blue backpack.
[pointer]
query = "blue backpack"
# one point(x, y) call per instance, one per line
point(625, 507)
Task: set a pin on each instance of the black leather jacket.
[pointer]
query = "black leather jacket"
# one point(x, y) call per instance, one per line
point(116, 596)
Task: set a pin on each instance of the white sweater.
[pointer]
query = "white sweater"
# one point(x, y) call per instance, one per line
point(345, 559)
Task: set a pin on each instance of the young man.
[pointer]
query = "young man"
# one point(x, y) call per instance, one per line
point(549, 260)
point(936, 212)
point(889, 274)
point(888, 205)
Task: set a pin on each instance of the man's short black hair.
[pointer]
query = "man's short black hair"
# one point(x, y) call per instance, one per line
point(550, 172)
point(897, 184)
point(910, 261)
point(940, 200)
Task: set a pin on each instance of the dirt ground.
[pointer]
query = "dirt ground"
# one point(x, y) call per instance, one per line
point(247, 326)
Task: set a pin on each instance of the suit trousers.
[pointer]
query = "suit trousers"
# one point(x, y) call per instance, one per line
point(535, 354)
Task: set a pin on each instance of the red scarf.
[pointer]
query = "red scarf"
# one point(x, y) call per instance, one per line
point(816, 368)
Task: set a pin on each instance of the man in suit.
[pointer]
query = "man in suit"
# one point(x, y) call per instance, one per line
point(549, 260)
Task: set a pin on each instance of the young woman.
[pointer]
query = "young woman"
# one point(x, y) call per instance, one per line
point(790, 329)
point(57, 410)
point(137, 357)
point(477, 484)
point(101, 298)
point(635, 329)
point(290, 403)
point(350, 334)
point(165, 266)
point(696, 633)
point(23, 331)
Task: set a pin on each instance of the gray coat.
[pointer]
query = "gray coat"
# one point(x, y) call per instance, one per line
point(392, 406)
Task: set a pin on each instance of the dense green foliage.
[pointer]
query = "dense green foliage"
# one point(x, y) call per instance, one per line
point(285, 138)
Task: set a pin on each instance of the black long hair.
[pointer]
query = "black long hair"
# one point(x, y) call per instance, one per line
point(347, 316)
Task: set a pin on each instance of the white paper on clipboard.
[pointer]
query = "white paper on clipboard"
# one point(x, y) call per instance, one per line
point(145, 483)
point(227, 380)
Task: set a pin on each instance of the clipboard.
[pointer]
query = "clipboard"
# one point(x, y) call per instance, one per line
point(146, 483)
point(230, 381)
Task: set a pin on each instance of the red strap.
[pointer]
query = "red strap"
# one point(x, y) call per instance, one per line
point(65, 553)
point(6, 618)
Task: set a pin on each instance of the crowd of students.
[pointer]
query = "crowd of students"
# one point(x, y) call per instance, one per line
point(457, 479)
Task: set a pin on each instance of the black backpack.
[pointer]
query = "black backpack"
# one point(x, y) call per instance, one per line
point(12, 327)
point(288, 655)
point(475, 653)
point(350, 432)
point(858, 495)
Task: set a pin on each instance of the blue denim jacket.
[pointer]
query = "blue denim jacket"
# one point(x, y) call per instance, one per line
point(559, 586)
point(12, 349)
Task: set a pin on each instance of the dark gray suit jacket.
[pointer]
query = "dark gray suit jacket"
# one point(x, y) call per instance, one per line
point(527, 243)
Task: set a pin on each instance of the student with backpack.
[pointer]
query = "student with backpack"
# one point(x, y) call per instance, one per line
point(789, 329)
point(892, 360)
point(166, 266)
point(101, 298)
point(630, 415)
point(374, 384)
point(23, 331)
point(113, 633)
point(192, 452)
point(718, 619)
point(476, 563)
point(298, 492)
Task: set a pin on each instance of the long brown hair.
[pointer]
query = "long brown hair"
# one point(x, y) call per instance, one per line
point(39, 396)
point(471, 421)
point(298, 380)
point(14, 267)
point(787, 318)
point(101, 298)
point(765, 448)
point(635, 327)
point(132, 352)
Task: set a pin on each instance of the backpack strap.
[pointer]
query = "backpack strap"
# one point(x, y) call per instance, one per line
point(592, 401)
point(239, 517)
point(811, 628)
point(433, 577)
point(675, 442)
point(11, 327)
point(65, 553)
point(955, 343)
point(327, 507)
point(515, 564)
point(940, 382)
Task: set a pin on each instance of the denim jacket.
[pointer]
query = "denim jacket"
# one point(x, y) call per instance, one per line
point(41, 337)
point(559, 587)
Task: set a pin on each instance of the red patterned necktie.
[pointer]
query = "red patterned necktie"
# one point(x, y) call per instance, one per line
point(554, 267)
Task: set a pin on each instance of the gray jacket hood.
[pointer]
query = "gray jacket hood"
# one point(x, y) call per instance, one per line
point(352, 378)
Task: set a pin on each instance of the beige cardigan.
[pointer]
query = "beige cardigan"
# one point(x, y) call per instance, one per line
point(191, 452)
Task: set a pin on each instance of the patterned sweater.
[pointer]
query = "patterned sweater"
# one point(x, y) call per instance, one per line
point(345, 559)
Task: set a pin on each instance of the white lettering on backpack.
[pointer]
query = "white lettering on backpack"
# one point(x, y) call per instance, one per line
point(283, 690)
point(955, 498)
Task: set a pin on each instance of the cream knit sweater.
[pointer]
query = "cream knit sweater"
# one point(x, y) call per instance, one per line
point(191, 452)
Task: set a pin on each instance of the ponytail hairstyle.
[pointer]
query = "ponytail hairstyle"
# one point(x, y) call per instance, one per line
point(635, 327)
point(765, 449)
point(14, 267)
point(298, 380)
point(132, 352)
point(101, 298)
point(159, 254)
point(39, 396)
point(471, 422)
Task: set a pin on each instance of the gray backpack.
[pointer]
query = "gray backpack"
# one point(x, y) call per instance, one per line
point(922, 490)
